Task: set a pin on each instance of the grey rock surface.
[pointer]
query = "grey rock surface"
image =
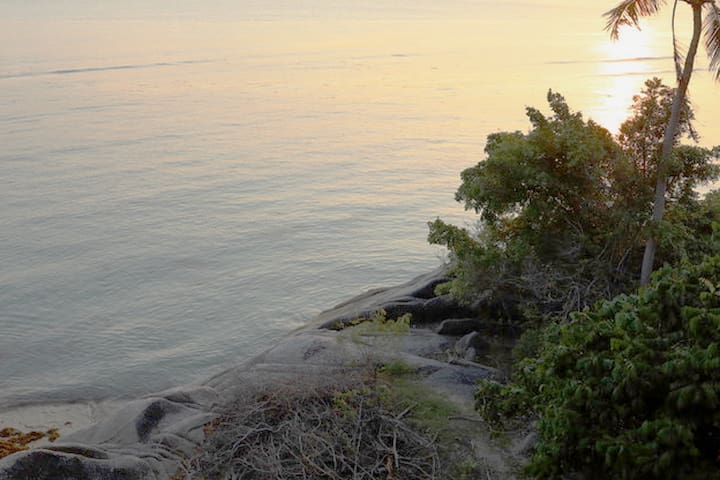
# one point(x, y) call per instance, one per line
point(146, 439)
point(55, 464)
point(415, 297)
point(150, 437)
point(471, 345)
point(459, 326)
point(526, 444)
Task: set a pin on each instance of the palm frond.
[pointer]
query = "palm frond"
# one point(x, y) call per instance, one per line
point(678, 56)
point(711, 29)
point(628, 12)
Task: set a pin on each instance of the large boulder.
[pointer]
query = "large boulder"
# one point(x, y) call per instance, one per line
point(463, 326)
point(146, 439)
point(459, 326)
point(471, 345)
point(416, 297)
point(78, 464)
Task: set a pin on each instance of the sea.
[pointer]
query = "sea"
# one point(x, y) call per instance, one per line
point(184, 182)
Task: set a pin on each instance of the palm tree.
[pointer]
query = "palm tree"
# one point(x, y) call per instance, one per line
point(629, 12)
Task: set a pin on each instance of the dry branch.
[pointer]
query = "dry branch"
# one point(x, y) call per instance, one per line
point(337, 431)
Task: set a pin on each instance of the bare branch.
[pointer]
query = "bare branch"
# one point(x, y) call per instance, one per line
point(333, 431)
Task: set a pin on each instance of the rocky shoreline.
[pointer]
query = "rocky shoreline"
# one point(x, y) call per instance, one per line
point(150, 437)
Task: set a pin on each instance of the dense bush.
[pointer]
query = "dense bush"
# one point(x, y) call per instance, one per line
point(629, 389)
point(564, 209)
point(622, 388)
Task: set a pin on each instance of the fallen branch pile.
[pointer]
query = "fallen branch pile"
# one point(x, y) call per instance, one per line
point(321, 432)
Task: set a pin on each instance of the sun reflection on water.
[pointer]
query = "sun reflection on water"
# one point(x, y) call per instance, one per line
point(624, 67)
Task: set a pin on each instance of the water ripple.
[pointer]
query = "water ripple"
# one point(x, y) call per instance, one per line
point(108, 68)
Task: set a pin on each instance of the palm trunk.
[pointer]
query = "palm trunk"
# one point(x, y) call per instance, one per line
point(669, 142)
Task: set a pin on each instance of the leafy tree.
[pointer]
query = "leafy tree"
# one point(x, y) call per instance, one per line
point(641, 135)
point(563, 209)
point(641, 138)
point(628, 12)
point(543, 201)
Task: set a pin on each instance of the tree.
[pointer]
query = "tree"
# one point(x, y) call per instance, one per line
point(549, 239)
point(641, 138)
point(628, 12)
point(641, 135)
point(562, 210)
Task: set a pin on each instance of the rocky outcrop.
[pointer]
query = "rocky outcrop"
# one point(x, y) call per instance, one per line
point(471, 346)
point(146, 439)
point(459, 326)
point(149, 438)
point(416, 297)
point(463, 326)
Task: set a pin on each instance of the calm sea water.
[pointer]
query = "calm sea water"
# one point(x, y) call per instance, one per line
point(182, 183)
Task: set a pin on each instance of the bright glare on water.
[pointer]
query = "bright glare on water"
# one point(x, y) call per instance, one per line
point(181, 183)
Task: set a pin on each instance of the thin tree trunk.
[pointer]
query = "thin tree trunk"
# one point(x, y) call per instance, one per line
point(669, 142)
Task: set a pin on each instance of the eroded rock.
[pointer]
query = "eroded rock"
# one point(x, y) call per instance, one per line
point(459, 326)
point(471, 346)
point(146, 439)
point(47, 464)
point(416, 297)
point(149, 438)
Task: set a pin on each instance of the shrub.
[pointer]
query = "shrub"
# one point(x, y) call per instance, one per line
point(564, 208)
point(629, 389)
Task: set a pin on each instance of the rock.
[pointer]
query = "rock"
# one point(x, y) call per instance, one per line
point(47, 464)
point(463, 326)
point(471, 345)
point(416, 297)
point(458, 383)
point(146, 439)
point(426, 288)
point(526, 444)
point(472, 340)
point(423, 343)
point(459, 326)
point(470, 354)
point(149, 438)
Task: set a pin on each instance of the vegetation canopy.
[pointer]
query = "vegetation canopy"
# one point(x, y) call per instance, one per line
point(705, 23)
point(563, 209)
point(628, 389)
point(624, 385)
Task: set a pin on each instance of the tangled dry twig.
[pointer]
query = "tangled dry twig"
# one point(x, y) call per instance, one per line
point(331, 432)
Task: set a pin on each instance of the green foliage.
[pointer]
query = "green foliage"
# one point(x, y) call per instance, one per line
point(397, 368)
point(624, 388)
point(546, 175)
point(427, 409)
point(500, 404)
point(379, 326)
point(563, 210)
point(641, 136)
point(629, 389)
point(529, 343)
